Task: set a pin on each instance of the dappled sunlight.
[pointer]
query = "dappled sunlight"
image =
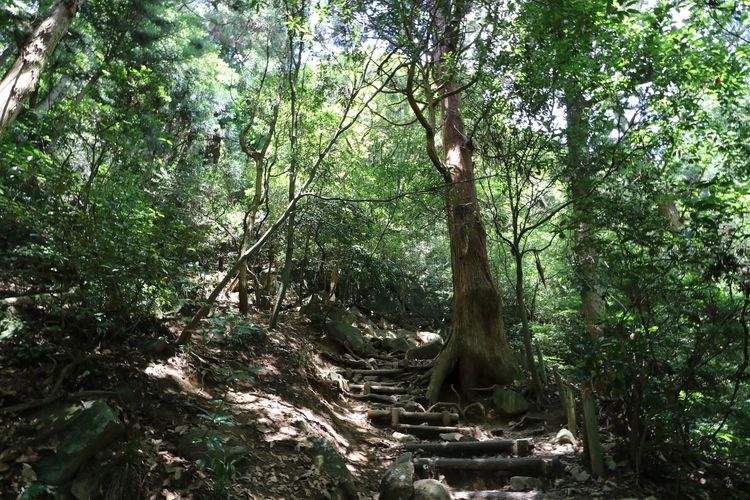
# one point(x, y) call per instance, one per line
point(178, 371)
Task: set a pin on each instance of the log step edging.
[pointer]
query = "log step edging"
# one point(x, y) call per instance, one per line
point(397, 414)
point(431, 429)
point(540, 466)
point(518, 447)
point(498, 495)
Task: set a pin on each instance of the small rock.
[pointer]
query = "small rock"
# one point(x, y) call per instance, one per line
point(525, 483)
point(581, 476)
point(427, 337)
point(451, 436)
point(430, 489)
point(403, 438)
point(28, 474)
point(565, 437)
point(396, 483)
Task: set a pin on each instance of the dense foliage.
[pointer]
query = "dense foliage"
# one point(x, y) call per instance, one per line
point(612, 146)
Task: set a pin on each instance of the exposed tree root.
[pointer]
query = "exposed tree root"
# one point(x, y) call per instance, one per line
point(444, 365)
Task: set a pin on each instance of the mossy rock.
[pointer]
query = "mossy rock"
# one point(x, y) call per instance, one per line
point(90, 430)
point(332, 464)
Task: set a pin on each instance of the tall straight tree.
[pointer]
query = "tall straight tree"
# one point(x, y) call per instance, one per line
point(22, 78)
point(431, 37)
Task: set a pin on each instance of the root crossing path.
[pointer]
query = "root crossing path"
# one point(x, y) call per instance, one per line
point(470, 453)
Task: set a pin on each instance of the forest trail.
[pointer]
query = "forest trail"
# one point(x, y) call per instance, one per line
point(245, 413)
point(473, 457)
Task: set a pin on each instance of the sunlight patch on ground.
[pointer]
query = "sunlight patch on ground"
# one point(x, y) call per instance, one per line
point(177, 370)
point(279, 420)
point(551, 448)
point(357, 457)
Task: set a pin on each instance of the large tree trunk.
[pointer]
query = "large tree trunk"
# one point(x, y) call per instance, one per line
point(22, 78)
point(478, 349)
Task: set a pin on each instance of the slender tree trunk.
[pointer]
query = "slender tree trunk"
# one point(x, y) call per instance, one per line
point(478, 349)
point(286, 272)
point(241, 261)
point(581, 174)
point(249, 228)
point(54, 95)
point(22, 78)
point(527, 340)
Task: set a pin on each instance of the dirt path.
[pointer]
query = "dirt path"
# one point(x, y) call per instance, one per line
point(238, 412)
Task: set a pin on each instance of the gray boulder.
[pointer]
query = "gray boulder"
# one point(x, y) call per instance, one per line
point(316, 312)
point(396, 344)
point(396, 483)
point(509, 403)
point(90, 430)
point(349, 336)
point(430, 489)
point(332, 464)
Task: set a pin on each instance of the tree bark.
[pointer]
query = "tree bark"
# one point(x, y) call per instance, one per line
point(581, 180)
point(22, 78)
point(247, 233)
point(291, 225)
point(478, 349)
point(521, 301)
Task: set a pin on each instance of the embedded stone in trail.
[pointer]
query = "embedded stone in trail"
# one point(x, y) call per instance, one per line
point(565, 436)
point(332, 464)
point(509, 403)
point(525, 483)
point(430, 489)
point(396, 483)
